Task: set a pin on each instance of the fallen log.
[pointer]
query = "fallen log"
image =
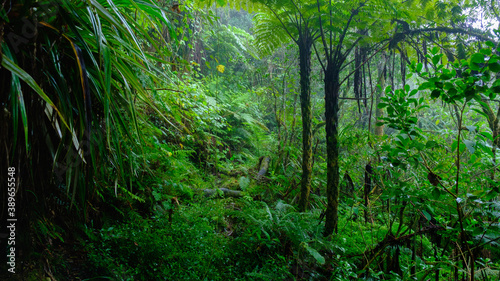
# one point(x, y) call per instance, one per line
point(225, 191)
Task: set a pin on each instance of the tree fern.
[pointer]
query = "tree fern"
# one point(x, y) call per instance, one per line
point(269, 34)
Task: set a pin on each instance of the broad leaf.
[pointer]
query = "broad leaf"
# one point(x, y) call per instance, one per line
point(319, 258)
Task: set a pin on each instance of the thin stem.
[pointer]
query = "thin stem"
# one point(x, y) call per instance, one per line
point(459, 208)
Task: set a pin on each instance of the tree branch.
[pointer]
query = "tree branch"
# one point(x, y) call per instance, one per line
point(282, 24)
point(495, 12)
point(354, 12)
point(400, 36)
point(317, 55)
point(322, 33)
point(342, 98)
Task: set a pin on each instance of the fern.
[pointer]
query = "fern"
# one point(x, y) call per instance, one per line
point(183, 152)
point(269, 34)
point(127, 192)
point(248, 5)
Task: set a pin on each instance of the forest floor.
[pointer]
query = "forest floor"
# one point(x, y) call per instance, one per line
point(254, 233)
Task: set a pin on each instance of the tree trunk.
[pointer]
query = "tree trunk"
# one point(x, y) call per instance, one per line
point(332, 88)
point(291, 138)
point(368, 189)
point(305, 44)
point(379, 112)
point(493, 121)
point(279, 122)
point(494, 124)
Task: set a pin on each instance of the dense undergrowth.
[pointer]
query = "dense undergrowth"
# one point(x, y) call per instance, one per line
point(180, 111)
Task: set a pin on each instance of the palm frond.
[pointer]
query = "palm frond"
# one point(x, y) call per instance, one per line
point(88, 55)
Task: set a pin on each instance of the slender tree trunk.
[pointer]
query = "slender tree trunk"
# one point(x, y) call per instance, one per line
point(493, 121)
point(494, 124)
point(305, 44)
point(291, 135)
point(368, 189)
point(379, 112)
point(281, 138)
point(332, 88)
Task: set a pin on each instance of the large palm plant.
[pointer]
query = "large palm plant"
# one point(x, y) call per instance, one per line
point(69, 88)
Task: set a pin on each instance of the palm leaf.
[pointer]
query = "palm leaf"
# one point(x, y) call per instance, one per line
point(87, 48)
point(23, 75)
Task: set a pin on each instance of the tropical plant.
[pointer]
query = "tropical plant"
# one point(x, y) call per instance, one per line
point(462, 216)
point(70, 73)
point(297, 21)
point(339, 36)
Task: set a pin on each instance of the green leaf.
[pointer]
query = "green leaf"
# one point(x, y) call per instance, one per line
point(453, 146)
point(495, 66)
point(480, 112)
point(407, 88)
point(425, 86)
point(23, 75)
point(17, 105)
point(473, 159)
point(470, 92)
point(319, 258)
point(435, 93)
point(431, 144)
point(486, 52)
point(476, 61)
point(452, 92)
point(436, 193)
point(461, 148)
point(446, 76)
point(244, 182)
point(487, 135)
point(477, 231)
point(471, 129)
point(477, 58)
point(427, 215)
point(419, 67)
point(435, 59)
point(474, 66)
point(470, 146)
point(107, 69)
point(220, 193)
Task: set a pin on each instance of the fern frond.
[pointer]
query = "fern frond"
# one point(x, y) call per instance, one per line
point(269, 34)
point(183, 152)
point(248, 5)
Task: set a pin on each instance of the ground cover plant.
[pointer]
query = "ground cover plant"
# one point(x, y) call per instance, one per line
point(250, 140)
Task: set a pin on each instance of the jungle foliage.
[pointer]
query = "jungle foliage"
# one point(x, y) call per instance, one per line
point(252, 140)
